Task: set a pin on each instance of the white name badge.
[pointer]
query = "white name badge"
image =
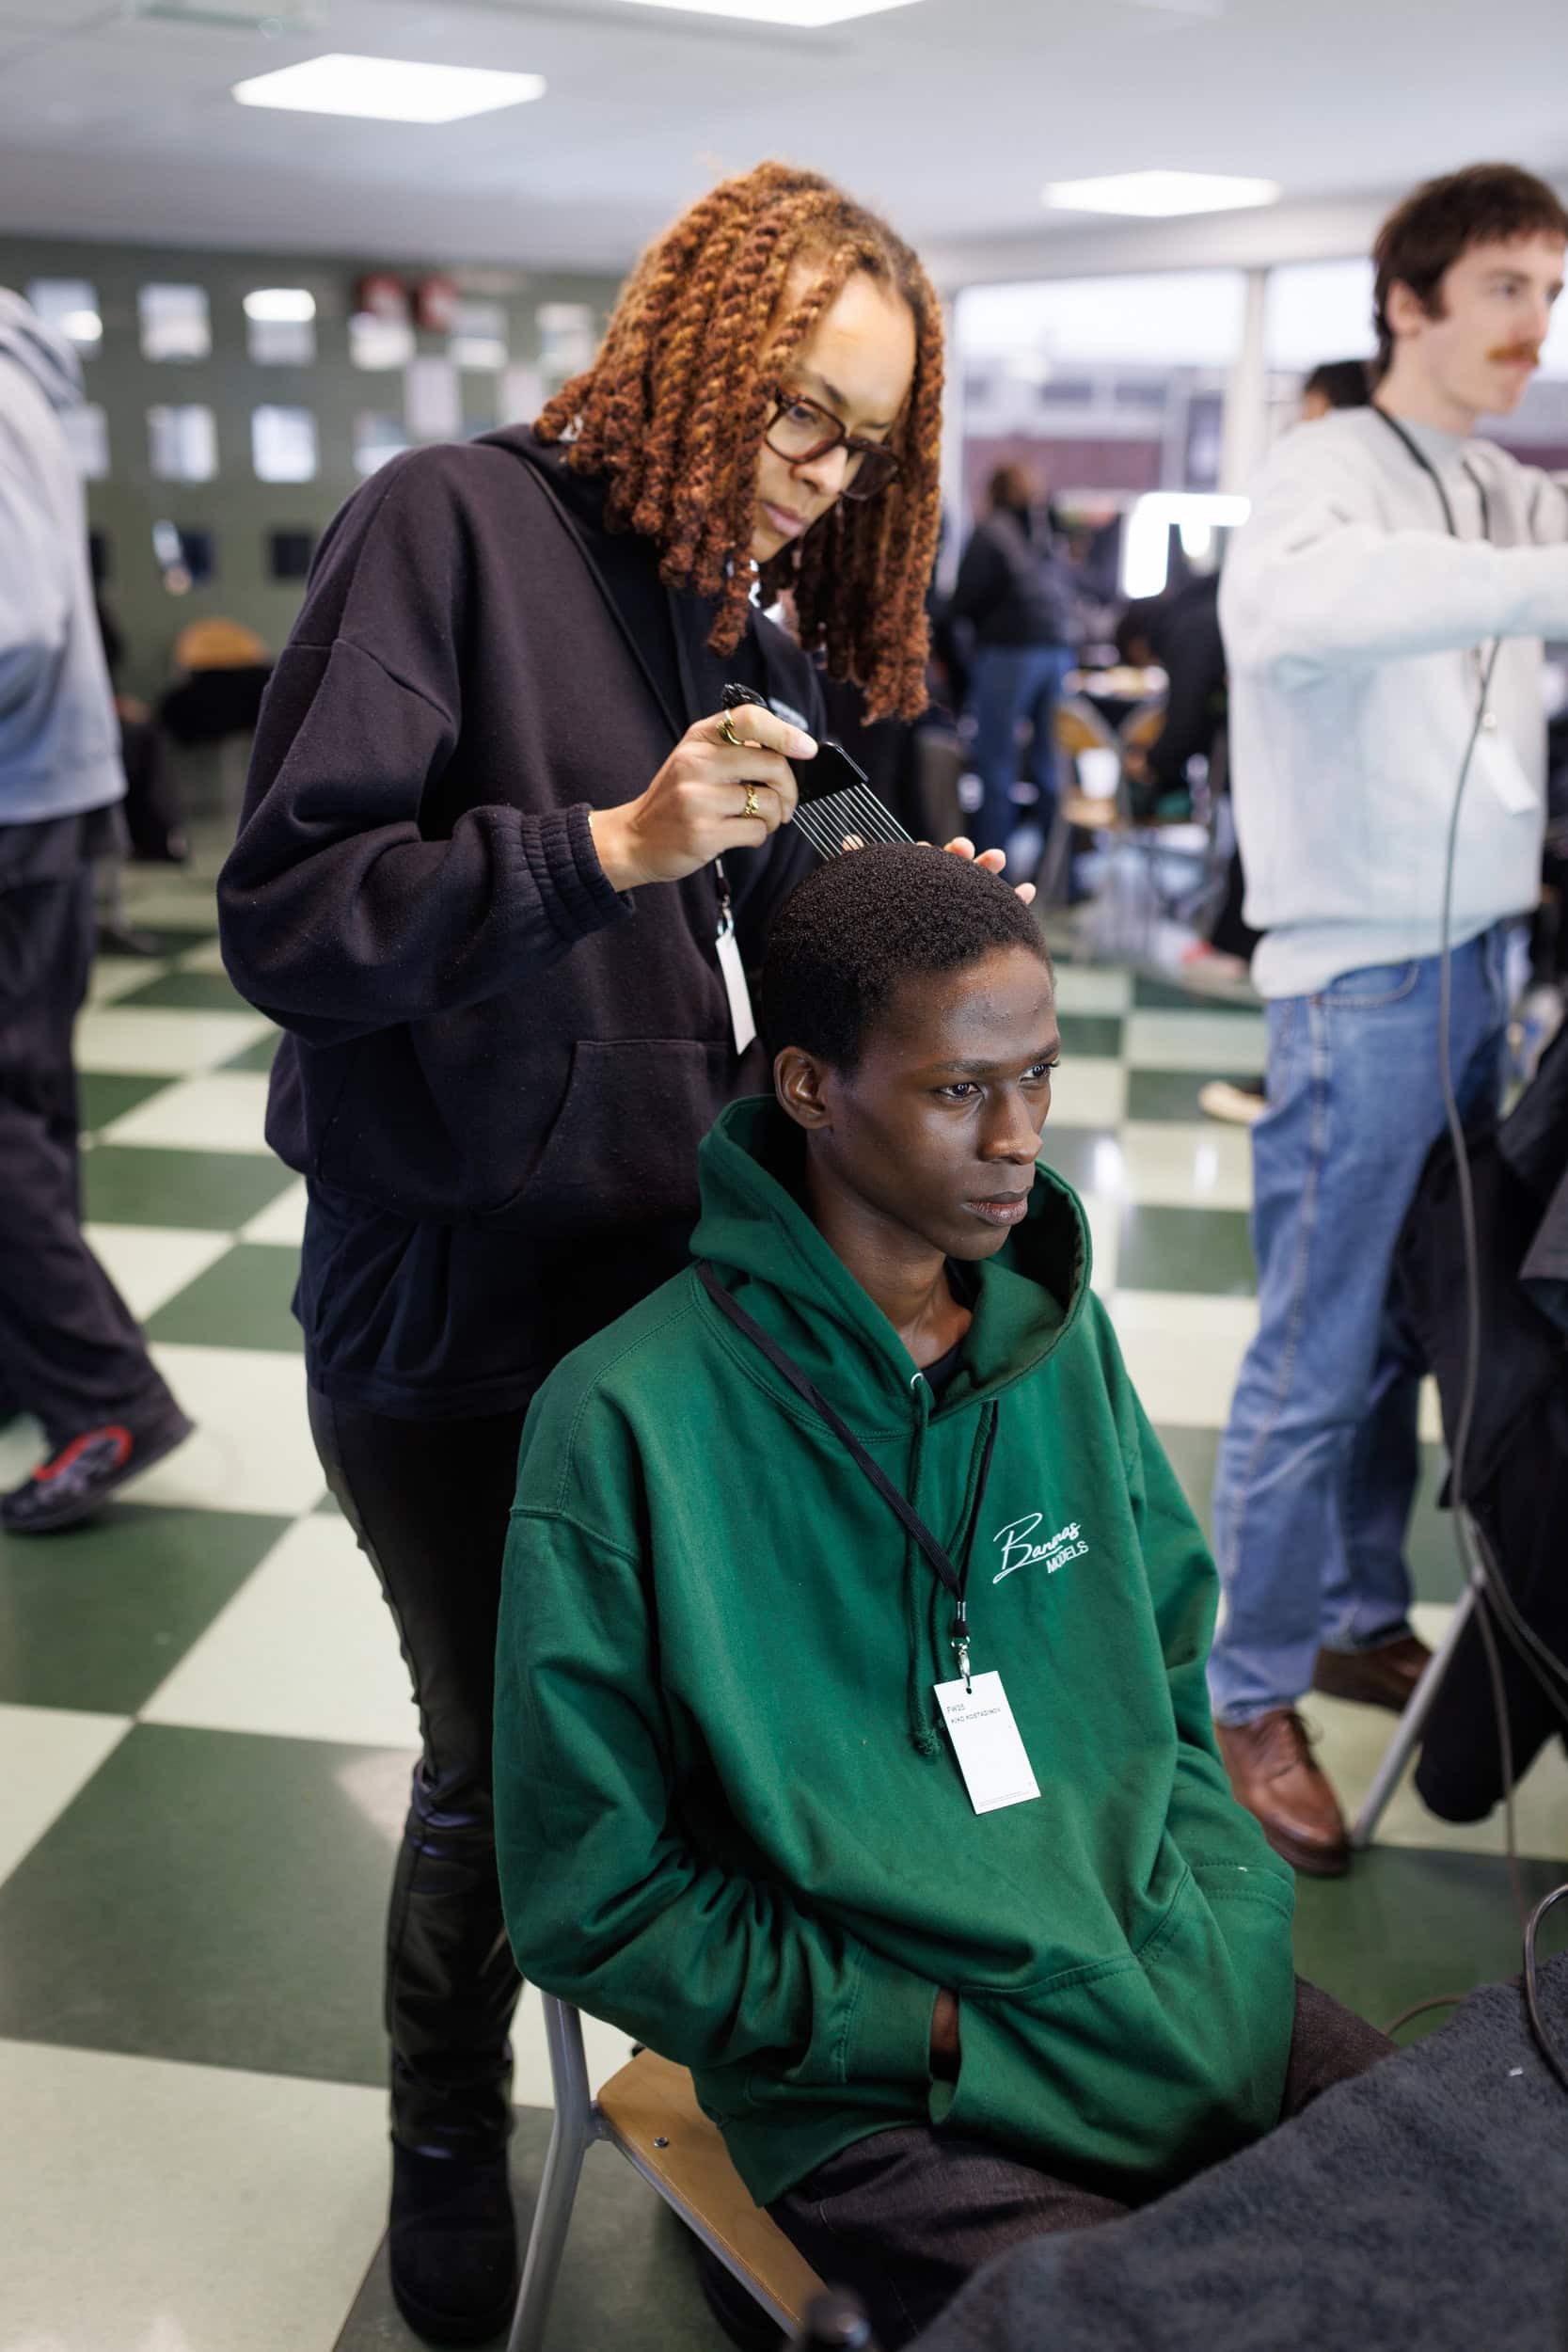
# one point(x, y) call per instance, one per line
point(985, 1741)
point(1499, 766)
point(743, 1021)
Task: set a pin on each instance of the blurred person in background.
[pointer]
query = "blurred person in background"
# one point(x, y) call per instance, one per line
point(1384, 608)
point(69, 1352)
point(1017, 596)
point(502, 860)
point(1335, 384)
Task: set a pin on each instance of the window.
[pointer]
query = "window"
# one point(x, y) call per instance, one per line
point(69, 306)
point(87, 433)
point(1107, 385)
point(182, 443)
point(288, 553)
point(185, 557)
point(431, 400)
point(283, 444)
point(479, 336)
point(379, 342)
point(281, 326)
point(1317, 310)
point(375, 439)
point(175, 324)
point(565, 339)
point(522, 394)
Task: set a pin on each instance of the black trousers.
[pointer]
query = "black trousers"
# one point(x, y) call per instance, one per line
point(905, 2217)
point(429, 1502)
point(69, 1349)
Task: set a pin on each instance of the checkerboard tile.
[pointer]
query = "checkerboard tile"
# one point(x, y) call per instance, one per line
point(206, 1728)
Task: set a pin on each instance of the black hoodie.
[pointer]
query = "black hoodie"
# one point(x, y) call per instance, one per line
point(490, 1057)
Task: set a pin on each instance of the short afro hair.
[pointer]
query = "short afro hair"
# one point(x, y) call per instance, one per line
point(864, 922)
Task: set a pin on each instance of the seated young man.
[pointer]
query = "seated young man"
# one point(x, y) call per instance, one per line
point(939, 1989)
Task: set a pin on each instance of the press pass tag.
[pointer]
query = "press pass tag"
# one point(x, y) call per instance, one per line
point(1502, 767)
point(743, 1020)
point(985, 1740)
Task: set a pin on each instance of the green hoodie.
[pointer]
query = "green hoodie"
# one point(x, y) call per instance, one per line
point(727, 1816)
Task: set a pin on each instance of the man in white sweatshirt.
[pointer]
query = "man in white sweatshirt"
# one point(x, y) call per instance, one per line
point(1387, 556)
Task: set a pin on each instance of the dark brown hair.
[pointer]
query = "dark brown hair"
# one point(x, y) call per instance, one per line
point(1014, 486)
point(673, 410)
point(1421, 240)
point(1343, 383)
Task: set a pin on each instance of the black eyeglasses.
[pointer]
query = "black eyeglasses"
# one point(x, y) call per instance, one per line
point(801, 431)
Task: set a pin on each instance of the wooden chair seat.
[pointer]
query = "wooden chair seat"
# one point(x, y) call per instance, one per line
point(1092, 812)
point(651, 2109)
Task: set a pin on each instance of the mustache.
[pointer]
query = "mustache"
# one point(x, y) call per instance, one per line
point(1528, 355)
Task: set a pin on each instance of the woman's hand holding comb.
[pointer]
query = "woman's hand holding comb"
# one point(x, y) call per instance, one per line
point(727, 785)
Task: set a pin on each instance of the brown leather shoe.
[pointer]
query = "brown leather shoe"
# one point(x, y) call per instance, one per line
point(1385, 1677)
point(1273, 1773)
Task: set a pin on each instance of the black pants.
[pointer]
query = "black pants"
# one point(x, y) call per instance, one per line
point(1230, 932)
point(905, 2217)
point(429, 1502)
point(69, 1350)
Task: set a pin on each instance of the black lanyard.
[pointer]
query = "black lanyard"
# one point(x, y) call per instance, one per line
point(568, 523)
point(955, 1580)
point(1418, 453)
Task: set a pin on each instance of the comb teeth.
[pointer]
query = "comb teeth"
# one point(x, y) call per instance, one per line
point(840, 821)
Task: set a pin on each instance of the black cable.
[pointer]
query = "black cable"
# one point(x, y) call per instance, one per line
point(1554, 2055)
point(1460, 1446)
point(1482, 1574)
point(1505, 1744)
point(1418, 2009)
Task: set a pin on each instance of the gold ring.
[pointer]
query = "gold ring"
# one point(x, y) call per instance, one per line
point(751, 809)
point(727, 730)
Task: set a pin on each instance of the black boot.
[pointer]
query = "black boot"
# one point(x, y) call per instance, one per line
point(453, 2246)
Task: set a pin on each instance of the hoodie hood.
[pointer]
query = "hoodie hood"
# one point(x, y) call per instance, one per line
point(755, 1232)
point(47, 358)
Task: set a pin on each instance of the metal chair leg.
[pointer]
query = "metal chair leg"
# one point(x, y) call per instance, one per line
point(1410, 1726)
point(571, 2137)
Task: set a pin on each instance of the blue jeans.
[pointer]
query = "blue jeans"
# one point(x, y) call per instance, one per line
point(1318, 1465)
point(1010, 683)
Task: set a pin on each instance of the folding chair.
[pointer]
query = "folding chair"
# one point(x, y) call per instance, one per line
point(1188, 840)
point(1089, 804)
point(649, 2111)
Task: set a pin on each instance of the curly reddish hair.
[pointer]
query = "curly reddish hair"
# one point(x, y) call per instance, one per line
point(673, 410)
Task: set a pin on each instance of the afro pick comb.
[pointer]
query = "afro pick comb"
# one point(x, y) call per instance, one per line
point(837, 810)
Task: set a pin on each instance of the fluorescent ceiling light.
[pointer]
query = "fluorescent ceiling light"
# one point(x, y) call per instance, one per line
point(389, 89)
point(1156, 194)
point(806, 15)
point(280, 306)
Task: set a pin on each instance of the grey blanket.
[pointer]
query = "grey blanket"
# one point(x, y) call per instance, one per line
point(1424, 2205)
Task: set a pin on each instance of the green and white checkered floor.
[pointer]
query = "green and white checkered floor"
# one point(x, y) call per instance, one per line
point(205, 1728)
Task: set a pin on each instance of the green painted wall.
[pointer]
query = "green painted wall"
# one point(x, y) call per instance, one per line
point(239, 510)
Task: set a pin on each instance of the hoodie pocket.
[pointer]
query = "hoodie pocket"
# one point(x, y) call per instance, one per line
point(1133, 2075)
point(622, 1150)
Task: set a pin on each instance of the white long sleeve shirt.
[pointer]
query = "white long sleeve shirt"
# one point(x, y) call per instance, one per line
point(1355, 629)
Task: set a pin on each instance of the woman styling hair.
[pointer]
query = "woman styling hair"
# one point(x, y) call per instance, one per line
point(497, 952)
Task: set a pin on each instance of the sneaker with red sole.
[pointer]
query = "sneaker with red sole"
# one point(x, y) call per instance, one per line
point(81, 1476)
